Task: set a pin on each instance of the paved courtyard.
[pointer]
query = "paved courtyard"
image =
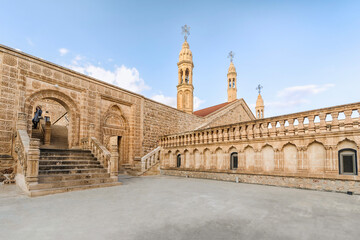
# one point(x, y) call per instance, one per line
point(180, 208)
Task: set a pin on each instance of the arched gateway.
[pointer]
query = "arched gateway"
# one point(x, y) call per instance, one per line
point(64, 100)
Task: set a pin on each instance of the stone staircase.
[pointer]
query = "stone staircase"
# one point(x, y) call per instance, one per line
point(63, 170)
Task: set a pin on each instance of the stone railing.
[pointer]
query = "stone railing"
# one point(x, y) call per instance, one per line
point(326, 120)
point(28, 154)
point(150, 159)
point(107, 159)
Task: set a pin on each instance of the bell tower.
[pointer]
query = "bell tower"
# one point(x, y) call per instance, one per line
point(231, 80)
point(259, 108)
point(185, 86)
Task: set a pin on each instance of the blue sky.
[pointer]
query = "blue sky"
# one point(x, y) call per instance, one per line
point(306, 54)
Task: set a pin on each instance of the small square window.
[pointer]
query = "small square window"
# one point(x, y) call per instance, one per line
point(347, 162)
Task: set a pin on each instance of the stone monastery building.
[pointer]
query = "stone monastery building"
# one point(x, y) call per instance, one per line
point(91, 131)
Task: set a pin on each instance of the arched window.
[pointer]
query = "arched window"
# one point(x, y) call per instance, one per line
point(229, 83)
point(234, 83)
point(178, 161)
point(347, 162)
point(234, 160)
point(187, 76)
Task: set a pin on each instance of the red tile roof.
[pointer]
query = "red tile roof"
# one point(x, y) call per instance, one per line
point(206, 111)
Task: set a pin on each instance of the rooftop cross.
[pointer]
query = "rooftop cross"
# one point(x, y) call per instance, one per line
point(231, 55)
point(259, 87)
point(186, 31)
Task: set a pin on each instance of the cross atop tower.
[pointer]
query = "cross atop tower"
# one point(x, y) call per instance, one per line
point(231, 55)
point(259, 87)
point(186, 31)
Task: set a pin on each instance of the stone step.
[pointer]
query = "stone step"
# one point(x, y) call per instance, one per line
point(65, 177)
point(64, 152)
point(42, 192)
point(71, 183)
point(70, 167)
point(68, 162)
point(72, 171)
point(60, 157)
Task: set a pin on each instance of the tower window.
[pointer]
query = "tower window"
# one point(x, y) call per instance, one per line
point(229, 83)
point(234, 161)
point(178, 161)
point(233, 83)
point(347, 162)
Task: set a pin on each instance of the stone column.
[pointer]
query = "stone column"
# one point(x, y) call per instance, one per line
point(33, 156)
point(348, 119)
point(335, 121)
point(311, 124)
point(301, 129)
point(47, 134)
point(322, 117)
point(291, 126)
point(114, 161)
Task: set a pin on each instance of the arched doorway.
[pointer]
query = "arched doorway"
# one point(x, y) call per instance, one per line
point(66, 102)
point(115, 131)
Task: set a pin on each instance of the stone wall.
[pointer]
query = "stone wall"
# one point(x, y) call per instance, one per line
point(287, 146)
point(160, 120)
point(283, 181)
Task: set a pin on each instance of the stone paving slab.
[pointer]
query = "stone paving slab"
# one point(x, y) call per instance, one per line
point(161, 207)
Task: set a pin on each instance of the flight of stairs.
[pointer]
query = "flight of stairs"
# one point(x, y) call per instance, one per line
point(62, 170)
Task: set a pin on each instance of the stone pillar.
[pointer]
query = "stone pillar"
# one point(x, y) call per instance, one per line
point(33, 156)
point(301, 129)
point(47, 134)
point(311, 124)
point(291, 126)
point(21, 121)
point(335, 121)
point(114, 161)
point(322, 117)
point(348, 119)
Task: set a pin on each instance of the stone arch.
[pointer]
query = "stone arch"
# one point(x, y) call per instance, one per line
point(316, 154)
point(219, 159)
point(169, 159)
point(346, 143)
point(188, 163)
point(207, 158)
point(289, 151)
point(115, 126)
point(67, 102)
point(232, 149)
point(249, 153)
point(197, 159)
point(268, 157)
point(180, 100)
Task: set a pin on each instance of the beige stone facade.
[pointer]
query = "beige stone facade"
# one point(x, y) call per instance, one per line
point(315, 149)
point(299, 150)
point(87, 107)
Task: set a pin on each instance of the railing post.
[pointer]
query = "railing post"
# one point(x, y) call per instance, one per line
point(33, 156)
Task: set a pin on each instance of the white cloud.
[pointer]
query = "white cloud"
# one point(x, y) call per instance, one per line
point(127, 78)
point(197, 102)
point(63, 51)
point(297, 92)
point(29, 42)
point(296, 97)
point(170, 101)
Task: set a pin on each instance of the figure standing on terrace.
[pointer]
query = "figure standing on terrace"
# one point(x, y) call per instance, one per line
point(37, 116)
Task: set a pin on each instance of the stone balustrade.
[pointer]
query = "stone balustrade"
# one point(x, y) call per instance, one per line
point(100, 152)
point(150, 159)
point(28, 155)
point(304, 123)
